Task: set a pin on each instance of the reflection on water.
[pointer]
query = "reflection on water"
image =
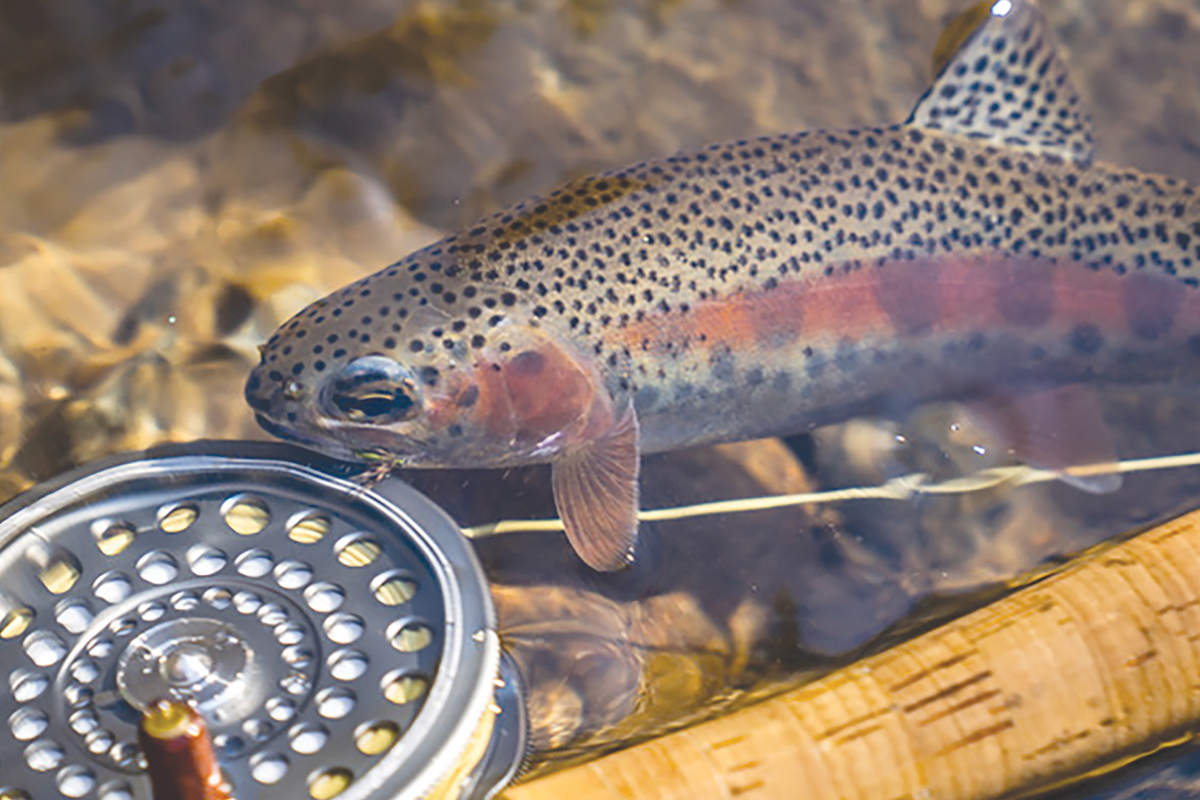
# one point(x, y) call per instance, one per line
point(178, 179)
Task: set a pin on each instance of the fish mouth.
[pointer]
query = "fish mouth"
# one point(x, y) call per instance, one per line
point(331, 445)
point(291, 435)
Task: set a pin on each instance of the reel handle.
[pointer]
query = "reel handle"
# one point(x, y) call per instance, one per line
point(179, 754)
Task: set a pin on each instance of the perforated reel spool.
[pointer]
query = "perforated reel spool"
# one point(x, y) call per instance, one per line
point(339, 642)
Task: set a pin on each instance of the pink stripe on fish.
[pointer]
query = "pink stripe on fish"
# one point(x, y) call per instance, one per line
point(929, 297)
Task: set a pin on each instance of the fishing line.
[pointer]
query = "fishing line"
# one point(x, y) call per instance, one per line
point(904, 487)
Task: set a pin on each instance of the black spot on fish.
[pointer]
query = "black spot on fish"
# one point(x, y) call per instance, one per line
point(429, 376)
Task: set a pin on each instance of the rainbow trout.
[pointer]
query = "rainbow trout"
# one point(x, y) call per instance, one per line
point(762, 287)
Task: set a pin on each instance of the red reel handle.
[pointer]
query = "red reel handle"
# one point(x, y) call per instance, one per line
point(179, 754)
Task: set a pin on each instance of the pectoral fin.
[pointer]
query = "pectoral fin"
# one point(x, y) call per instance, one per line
point(596, 491)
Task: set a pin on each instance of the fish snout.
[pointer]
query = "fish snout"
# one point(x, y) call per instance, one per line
point(280, 410)
point(274, 396)
point(256, 397)
point(264, 391)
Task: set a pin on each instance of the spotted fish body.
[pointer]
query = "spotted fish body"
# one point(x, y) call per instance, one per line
point(757, 288)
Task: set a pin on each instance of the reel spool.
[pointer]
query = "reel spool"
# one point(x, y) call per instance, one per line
point(338, 642)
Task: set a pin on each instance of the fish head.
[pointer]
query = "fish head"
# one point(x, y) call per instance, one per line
point(410, 379)
point(355, 400)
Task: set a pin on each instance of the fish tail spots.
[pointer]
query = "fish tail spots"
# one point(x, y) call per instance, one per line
point(596, 491)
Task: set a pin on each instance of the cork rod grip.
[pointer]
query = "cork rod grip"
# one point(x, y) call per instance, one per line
point(1075, 673)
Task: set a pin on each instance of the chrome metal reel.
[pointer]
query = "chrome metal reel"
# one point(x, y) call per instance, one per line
point(338, 642)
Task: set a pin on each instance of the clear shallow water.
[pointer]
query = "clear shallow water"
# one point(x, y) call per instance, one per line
point(180, 179)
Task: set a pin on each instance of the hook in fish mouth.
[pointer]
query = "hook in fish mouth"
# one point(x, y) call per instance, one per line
point(379, 457)
point(379, 466)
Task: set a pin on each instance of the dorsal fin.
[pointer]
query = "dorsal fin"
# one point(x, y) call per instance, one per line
point(1000, 80)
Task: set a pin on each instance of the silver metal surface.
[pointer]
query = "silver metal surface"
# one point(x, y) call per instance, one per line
point(333, 637)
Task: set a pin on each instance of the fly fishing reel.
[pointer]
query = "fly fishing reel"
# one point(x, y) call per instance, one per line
point(338, 642)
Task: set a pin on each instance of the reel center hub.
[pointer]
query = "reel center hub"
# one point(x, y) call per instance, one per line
point(187, 665)
point(196, 659)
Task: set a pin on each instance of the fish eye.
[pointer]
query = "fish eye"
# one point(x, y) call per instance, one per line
point(372, 389)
